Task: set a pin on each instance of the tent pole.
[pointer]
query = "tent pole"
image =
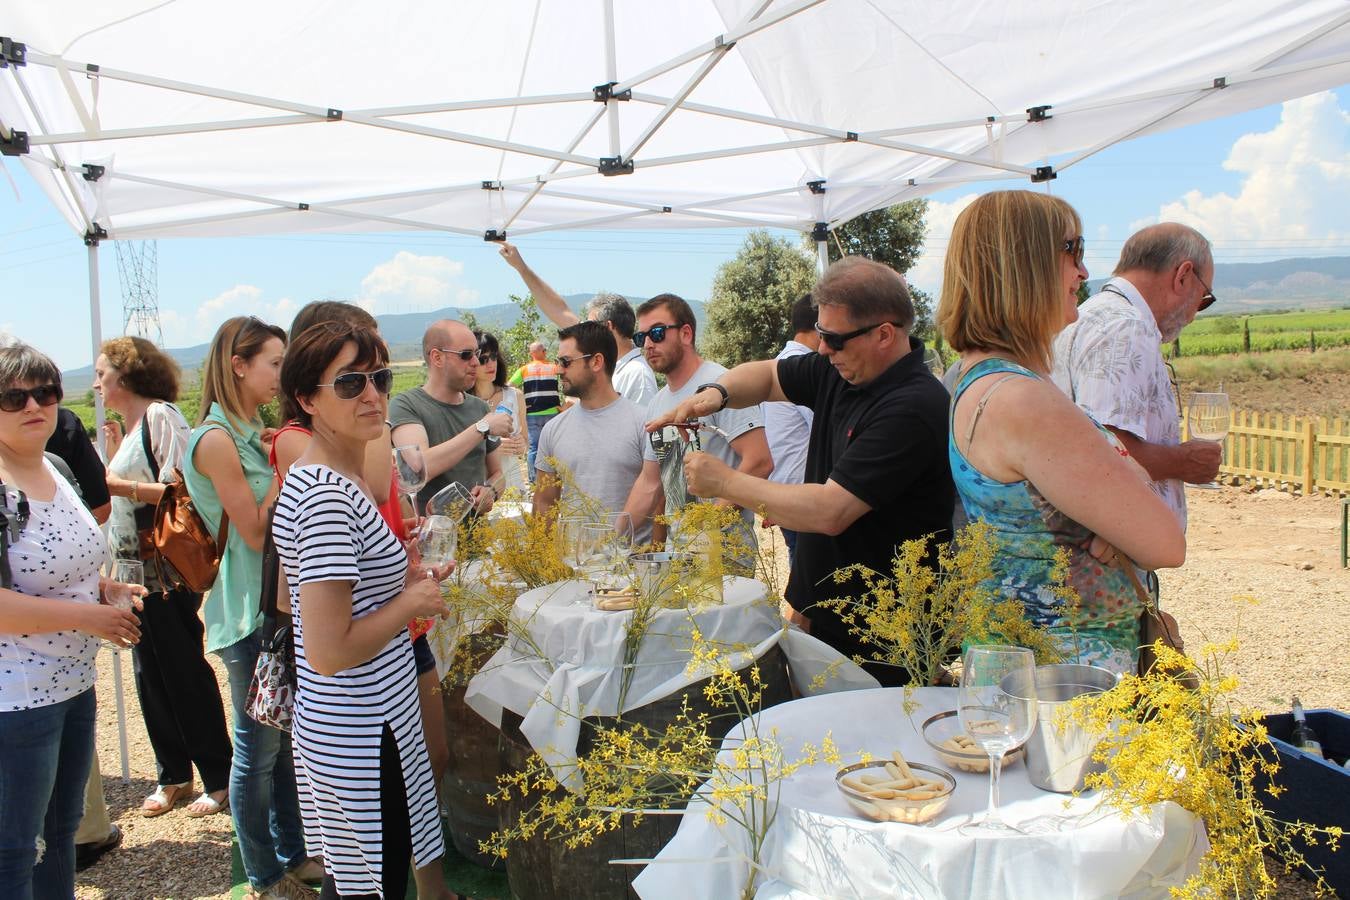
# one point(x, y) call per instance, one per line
point(822, 257)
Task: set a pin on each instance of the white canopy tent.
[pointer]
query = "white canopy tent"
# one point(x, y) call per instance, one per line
point(173, 118)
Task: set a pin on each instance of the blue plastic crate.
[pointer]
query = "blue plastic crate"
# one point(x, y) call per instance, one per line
point(1316, 790)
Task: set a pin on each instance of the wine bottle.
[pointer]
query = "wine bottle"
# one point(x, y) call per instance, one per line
point(1303, 737)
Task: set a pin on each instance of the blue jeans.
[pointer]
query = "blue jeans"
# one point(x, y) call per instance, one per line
point(45, 755)
point(535, 426)
point(789, 541)
point(263, 800)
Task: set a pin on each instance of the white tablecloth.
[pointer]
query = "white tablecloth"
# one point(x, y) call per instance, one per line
point(572, 665)
point(817, 848)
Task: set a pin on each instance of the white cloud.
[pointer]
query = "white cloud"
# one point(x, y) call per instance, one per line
point(409, 282)
point(926, 274)
point(1291, 177)
point(199, 326)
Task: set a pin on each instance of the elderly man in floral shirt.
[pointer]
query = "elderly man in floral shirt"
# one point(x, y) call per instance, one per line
point(1110, 361)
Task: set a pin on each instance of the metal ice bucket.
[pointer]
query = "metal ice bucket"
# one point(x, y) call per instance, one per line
point(1059, 756)
point(662, 576)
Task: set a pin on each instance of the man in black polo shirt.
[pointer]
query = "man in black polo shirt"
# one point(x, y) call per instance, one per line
point(876, 468)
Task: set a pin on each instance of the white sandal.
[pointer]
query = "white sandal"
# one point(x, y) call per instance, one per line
point(209, 806)
point(165, 798)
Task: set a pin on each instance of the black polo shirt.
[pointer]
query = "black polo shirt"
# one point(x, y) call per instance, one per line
point(885, 442)
point(70, 442)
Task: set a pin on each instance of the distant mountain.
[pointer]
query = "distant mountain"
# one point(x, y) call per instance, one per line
point(1284, 284)
point(403, 333)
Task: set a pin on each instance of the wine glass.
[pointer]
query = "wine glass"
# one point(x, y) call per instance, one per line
point(411, 469)
point(996, 720)
point(126, 571)
point(569, 538)
point(596, 552)
point(1207, 419)
point(437, 542)
point(454, 500)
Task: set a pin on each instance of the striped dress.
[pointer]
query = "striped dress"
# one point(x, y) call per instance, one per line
point(327, 529)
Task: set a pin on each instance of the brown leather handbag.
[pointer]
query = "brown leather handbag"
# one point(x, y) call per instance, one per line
point(1155, 625)
point(187, 552)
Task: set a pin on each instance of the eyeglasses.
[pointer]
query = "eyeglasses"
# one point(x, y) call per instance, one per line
point(836, 341)
point(350, 385)
point(16, 399)
point(1077, 248)
point(565, 361)
point(485, 357)
point(657, 333)
point(465, 355)
point(1208, 299)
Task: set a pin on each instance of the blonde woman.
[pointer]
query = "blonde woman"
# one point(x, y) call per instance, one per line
point(1023, 456)
point(226, 471)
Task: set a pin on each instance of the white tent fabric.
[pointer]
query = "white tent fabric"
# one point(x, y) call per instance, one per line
point(258, 117)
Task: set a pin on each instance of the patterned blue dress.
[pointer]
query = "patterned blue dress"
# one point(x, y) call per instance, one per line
point(1029, 530)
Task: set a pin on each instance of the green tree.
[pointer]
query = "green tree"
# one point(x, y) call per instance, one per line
point(529, 327)
point(752, 295)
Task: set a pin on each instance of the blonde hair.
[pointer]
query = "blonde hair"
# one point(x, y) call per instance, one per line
point(1002, 285)
point(244, 337)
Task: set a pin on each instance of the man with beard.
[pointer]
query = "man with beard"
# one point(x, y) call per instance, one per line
point(597, 440)
point(1110, 362)
point(666, 332)
point(457, 432)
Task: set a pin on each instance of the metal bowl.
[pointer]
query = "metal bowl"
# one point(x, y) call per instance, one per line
point(896, 809)
point(944, 727)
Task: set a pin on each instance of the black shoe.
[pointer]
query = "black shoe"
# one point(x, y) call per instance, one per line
point(88, 854)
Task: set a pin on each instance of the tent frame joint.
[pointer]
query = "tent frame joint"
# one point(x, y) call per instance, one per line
point(12, 53)
point(302, 207)
point(492, 235)
point(92, 172)
point(615, 165)
point(489, 185)
point(820, 232)
point(95, 234)
point(15, 143)
point(1039, 113)
point(816, 187)
point(1220, 83)
point(603, 93)
point(1043, 174)
point(334, 115)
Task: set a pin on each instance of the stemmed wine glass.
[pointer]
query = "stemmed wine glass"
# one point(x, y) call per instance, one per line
point(595, 551)
point(454, 500)
point(1207, 419)
point(126, 572)
point(411, 469)
point(994, 719)
point(437, 541)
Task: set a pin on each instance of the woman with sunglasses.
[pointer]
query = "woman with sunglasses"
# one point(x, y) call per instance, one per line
point(227, 474)
point(179, 696)
point(357, 726)
point(490, 386)
point(54, 608)
point(1024, 457)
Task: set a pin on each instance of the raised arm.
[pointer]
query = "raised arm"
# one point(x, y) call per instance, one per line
point(550, 301)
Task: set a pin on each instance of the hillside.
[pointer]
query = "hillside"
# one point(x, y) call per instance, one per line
point(1281, 285)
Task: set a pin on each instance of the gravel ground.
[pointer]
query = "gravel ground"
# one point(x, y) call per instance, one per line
point(1279, 549)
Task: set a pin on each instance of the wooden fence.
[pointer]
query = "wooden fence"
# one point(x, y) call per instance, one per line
point(1303, 453)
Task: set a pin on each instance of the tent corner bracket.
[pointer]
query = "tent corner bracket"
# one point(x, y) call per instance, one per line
point(15, 144)
point(816, 187)
point(12, 53)
point(1039, 113)
point(1044, 173)
point(820, 232)
point(1220, 83)
point(334, 115)
point(494, 236)
point(95, 234)
point(92, 172)
point(605, 92)
point(615, 165)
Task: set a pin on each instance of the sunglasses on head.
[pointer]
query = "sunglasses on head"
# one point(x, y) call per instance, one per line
point(657, 333)
point(465, 355)
point(836, 341)
point(1077, 248)
point(16, 399)
point(350, 385)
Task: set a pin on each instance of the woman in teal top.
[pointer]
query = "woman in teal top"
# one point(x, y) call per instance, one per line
point(226, 468)
point(1024, 458)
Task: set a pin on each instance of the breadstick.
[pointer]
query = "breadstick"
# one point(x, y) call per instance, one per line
point(900, 764)
point(854, 784)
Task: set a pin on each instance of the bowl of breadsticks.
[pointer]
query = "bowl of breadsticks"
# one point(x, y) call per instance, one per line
point(895, 790)
point(947, 736)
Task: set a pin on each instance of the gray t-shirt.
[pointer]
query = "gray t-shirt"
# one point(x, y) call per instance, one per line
point(735, 422)
point(443, 421)
point(601, 448)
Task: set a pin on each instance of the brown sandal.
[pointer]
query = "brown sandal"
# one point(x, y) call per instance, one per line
point(164, 799)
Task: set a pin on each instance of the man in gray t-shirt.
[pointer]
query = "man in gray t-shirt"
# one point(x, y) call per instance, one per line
point(456, 430)
point(599, 440)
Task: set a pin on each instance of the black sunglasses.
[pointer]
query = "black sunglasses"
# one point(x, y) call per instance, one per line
point(1077, 248)
point(657, 333)
point(836, 341)
point(1208, 299)
point(484, 356)
point(350, 385)
point(565, 361)
point(16, 399)
point(465, 355)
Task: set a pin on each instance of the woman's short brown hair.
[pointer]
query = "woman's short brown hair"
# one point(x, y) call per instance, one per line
point(144, 369)
point(1002, 285)
point(314, 350)
point(319, 312)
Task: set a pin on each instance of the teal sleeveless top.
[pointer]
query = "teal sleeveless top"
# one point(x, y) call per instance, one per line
point(231, 609)
point(1029, 530)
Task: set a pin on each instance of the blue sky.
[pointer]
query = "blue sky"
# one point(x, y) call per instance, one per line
point(1267, 184)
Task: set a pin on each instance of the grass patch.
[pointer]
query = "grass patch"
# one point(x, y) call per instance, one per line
point(1272, 366)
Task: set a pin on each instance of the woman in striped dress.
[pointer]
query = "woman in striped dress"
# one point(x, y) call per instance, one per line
point(366, 791)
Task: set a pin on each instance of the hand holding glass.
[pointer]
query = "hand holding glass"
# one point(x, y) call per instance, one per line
point(995, 720)
point(1207, 419)
point(411, 470)
point(437, 541)
point(126, 576)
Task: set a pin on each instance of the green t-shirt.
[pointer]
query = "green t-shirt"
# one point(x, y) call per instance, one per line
point(443, 421)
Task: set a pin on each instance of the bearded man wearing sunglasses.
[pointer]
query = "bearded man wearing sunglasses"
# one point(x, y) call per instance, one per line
point(876, 466)
point(1110, 361)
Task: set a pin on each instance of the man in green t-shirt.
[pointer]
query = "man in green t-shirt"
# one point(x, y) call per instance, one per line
point(457, 432)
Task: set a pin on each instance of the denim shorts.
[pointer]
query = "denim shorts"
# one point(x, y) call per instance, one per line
point(422, 656)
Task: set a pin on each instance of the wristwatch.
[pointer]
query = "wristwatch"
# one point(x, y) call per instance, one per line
point(483, 428)
point(717, 387)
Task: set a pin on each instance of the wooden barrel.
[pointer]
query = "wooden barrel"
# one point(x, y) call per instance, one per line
point(545, 869)
point(474, 760)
